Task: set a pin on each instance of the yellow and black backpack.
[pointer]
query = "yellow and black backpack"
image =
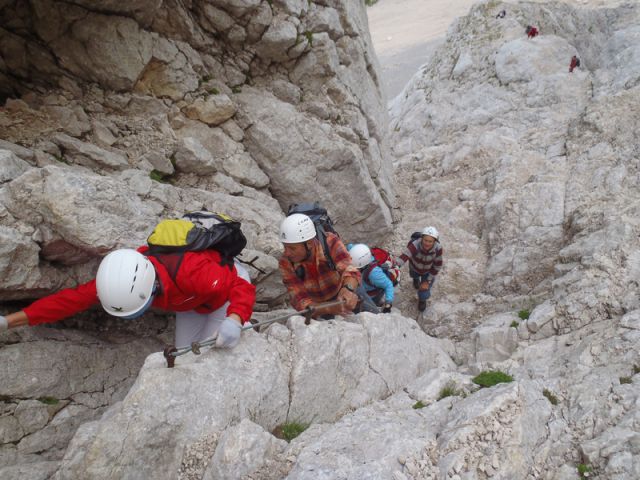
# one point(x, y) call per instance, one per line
point(194, 232)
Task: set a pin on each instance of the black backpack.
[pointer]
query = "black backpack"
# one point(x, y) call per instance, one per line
point(321, 221)
point(196, 231)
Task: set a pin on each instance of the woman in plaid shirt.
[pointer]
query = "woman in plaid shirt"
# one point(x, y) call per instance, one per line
point(308, 275)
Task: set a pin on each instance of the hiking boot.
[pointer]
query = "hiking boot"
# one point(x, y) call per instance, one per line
point(416, 283)
point(422, 305)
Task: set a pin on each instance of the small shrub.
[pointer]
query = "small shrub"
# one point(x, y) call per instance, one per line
point(449, 390)
point(491, 378)
point(418, 405)
point(369, 3)
point(49, 400)
point(625, 380)
point(584, 470)
point(550, 396)
point(636, 369)
point(158, 176)
point(213, 91)
point(289, 431)
point(236, 89)
point(524, 314)
point(514, 324)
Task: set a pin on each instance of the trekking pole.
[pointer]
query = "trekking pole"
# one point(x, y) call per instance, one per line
point(171, 352)
point(306, 312)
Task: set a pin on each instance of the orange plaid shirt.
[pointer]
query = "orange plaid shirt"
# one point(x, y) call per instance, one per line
point(320, 283)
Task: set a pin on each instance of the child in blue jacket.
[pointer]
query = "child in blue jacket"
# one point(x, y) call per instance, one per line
point(375, 282)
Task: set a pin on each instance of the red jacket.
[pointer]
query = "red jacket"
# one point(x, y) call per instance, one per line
point(201, 284)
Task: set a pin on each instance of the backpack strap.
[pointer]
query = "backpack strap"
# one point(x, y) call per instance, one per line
point(325, 248)
point(366, 272)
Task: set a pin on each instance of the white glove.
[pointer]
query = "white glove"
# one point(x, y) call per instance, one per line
point(4, 325)
point(228, 333)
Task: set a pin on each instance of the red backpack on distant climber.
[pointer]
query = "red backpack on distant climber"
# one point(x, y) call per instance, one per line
point(384, 260)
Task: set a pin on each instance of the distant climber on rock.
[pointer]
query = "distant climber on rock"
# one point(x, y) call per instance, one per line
point(212, 298)
point(376, 279)
point(531, 31)
point(312, 278)
point(575, 63)
point(501, 14)
point(425, 256)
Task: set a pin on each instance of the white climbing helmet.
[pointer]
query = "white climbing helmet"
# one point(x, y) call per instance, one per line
point(125, 283)
point(431, 231)
point(360, 255)
point(297, 228)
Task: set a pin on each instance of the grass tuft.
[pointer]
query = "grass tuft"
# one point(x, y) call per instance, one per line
point(158, 176)
point(49, 400)
point(524, 314)
point(625, 380)
point(491, 378)
point(289, 431)
point(309, 37)
point(449, 390)
point(550, 396)
point(584, 470)
point(418, 405)
point(514, 324)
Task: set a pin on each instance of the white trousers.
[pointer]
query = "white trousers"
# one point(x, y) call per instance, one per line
point(194, 327)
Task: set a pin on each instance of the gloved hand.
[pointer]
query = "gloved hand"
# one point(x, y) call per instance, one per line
point(350, 300)
point(228, 333)
point(4, 324)
point(386, 308)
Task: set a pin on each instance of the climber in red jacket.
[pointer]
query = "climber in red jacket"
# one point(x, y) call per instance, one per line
point(210, 299)
point(531, 31)
point(575, 63)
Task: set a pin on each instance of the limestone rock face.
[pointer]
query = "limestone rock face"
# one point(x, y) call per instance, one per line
point(197, 57)
point(529, 172)
point(119, 114)
point(262, 379)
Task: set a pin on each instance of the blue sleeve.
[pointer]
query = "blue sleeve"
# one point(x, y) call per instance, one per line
point(379, 279)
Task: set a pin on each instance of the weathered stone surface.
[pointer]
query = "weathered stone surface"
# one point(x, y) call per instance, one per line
point(18, 259)
point(279, 37)
point(21, 152)
point(192, 156)
point(93, 451)
point(494, 340)
point(213, 111)
point(82, 50)
point(74, 120)
point(242, 450)
point(88, 154)
point(87, 211)
point(278, 372)
point(332, 165)
point(11, 166)
point(34, 471)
